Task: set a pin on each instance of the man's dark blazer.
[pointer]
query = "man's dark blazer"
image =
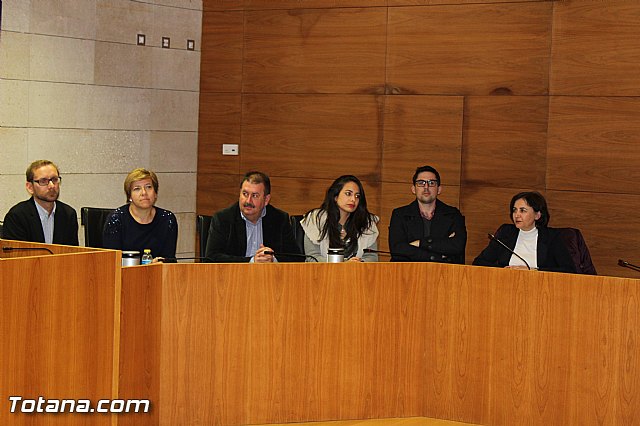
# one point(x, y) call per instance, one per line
point(227, 240)
point(22, 223)
point(552, 254)
point(407, 225)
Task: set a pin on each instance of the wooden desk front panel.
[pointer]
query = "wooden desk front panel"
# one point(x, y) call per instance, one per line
point(250, 344)
point(59, 316)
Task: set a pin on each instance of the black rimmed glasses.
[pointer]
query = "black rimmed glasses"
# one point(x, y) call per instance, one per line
point(45, 181)
point(422, 183)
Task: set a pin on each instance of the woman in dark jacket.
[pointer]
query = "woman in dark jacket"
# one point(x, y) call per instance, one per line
point(529, 237)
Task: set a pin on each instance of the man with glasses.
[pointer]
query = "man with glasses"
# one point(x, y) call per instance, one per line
point(427, 230)
point(42, 218)
point(252, 230)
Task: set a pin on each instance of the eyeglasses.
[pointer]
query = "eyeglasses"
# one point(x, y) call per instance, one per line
point(45, 181)
point(422, 183)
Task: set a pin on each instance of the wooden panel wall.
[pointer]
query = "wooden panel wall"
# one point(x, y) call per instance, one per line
point(499, 96)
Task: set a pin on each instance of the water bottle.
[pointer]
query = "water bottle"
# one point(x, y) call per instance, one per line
point(146, 257)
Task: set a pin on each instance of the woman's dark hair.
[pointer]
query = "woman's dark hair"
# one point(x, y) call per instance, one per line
point(359, 221)
point(536, 201)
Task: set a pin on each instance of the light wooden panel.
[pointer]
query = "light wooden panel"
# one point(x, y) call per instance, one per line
point(315, 50)
point(485, 208)
point(221, 52)
point(595, 48)
point(312, 136)
point(421, 130)
point(593, 144)
point(405, 421)
point(220, 122)
point(58, 329)
point(505, 141)
point(475, 49)
point(610, 231)
point(140, 339)
point(326, 342)
point(399, 194)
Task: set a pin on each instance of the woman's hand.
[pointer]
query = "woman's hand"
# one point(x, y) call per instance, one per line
point(354, 259)
point(520, 267)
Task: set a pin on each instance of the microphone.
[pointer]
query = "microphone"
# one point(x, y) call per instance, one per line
point(7, 248)
point(369, 250)
point(493, 237)
point(626, 264)
point(306, 256)
point(175, 259)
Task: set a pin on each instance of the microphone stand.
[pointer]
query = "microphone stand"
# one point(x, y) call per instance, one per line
point(7, 248)
point(306, 256)
point(494, 238)
point(626, 264)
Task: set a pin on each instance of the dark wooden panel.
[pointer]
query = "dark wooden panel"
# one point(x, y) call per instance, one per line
point(297, 4)
point(421, 130)
point(221, 60)
point(436, 2)
point(312, 136)
point(595, 48)
point(593, 144)
point(399, 194)
point(217, 191)
point(610, 231)
point(505, 141)
point(315, 50)
point(213, 5)
point(219, 124)
point(485, 209)
point(475, 49)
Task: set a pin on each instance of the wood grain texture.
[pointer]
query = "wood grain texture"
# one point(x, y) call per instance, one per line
point(218, 5)
point(593, 144)
point(222, 51)
point(608, 228)
point(57, 331)
point(421, 130)
point(595, 49)
point(220, 123)
point(217, 191)
point(312, 136)
point(470, 50)
point(315, 51)
point(505, 141)
point(297, 4)
point(405, 421)
point(438, 2)
point(140, 341)
point(319, 342)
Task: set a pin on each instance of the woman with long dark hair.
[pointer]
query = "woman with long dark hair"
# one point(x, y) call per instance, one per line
point(343, 221)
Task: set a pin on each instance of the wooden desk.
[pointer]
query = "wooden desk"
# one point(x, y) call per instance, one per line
point(59, 329)
point(256, 344)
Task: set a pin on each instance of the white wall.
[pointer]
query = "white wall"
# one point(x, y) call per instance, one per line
point(76, 89)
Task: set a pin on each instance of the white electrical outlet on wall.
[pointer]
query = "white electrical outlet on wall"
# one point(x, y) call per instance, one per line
point(229, 149)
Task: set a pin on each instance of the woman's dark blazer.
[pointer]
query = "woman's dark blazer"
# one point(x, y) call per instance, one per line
point(552, 254)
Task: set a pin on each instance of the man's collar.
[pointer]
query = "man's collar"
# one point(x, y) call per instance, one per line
point(263, 214)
